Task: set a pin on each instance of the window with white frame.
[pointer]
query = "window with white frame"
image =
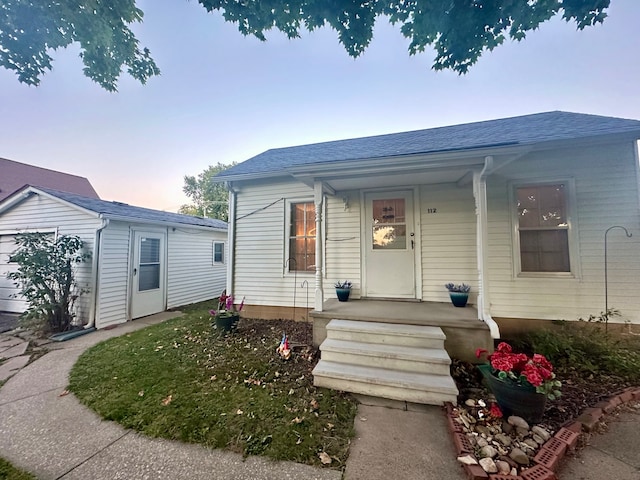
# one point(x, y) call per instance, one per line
point(218, 252)
point(543, 233)
point(302, 237)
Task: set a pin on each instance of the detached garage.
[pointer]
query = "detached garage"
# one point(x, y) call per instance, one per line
point(143, 261)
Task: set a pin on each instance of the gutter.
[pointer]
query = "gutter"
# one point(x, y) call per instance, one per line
point(480, 194)
point(95, 264)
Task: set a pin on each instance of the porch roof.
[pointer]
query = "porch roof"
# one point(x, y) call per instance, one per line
point(488, 135)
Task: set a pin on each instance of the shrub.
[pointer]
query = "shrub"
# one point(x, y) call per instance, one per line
point(587, 349)
point(46, 277)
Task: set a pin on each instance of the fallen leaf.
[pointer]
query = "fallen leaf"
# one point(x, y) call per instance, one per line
point(297, 420)
point(314, 404)
point(292, 391)
point(239, 412)
point(141, 393)
point(363, 419)
point(299, 441)
point(324, 458)
point(64, 393)
point(167, 400)
point(330, 425)
point(213, 377)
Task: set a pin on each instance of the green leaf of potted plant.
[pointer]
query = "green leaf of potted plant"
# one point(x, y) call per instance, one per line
point(459, 294)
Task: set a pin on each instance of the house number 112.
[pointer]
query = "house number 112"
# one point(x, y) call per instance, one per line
point(432, 210)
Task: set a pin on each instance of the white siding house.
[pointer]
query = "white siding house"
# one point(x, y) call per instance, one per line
point(142, 261)
point(517, 208)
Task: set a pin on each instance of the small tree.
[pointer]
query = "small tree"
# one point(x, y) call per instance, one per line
point(46, 277)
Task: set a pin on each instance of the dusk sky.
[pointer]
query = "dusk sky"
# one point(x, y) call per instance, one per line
point(223, 97)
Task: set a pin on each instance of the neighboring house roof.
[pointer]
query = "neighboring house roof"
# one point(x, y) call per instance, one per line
point(15, 176)
point(122, 211)
point(525, 130)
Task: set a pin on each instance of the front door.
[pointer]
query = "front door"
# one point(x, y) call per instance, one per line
point(149, 283)
point(389, 250)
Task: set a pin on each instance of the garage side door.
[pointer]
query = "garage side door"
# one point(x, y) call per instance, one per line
point(8, 302)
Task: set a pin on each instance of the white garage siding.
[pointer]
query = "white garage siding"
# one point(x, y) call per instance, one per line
point(192, 274)
point(9, 299)
point(599, 206)
point(39, 213)
point(113, 274)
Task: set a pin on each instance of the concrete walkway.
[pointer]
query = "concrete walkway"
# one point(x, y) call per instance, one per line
point(47, 432)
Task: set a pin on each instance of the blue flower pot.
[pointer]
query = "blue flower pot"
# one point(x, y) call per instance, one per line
point(343, 294)
point(459, 299)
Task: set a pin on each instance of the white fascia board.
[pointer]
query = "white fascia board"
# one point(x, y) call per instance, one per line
point(122, 218)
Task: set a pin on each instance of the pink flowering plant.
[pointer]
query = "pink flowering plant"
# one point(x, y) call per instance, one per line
point(226, 306)
point(535, 372)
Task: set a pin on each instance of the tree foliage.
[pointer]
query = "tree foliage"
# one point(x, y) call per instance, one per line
point(46, 276)
point(209, 199)
point(459, 30)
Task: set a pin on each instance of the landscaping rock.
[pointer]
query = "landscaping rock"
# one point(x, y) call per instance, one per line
point(481, 442)
point(503, 467)
point(519, 456)
point(467, 460)
point(531, 443)
point(482, 430)
point(503, 439)
point(538, 439)
point(488, 465)
point(518, 422)
point(541, 432)
point(488, 451)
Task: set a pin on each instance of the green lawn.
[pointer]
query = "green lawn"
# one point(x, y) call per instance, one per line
point(9, 472)
point(182, 380)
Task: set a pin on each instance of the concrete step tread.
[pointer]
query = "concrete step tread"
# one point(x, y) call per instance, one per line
point(382, 376)
point(386, 328)
point(417, 354)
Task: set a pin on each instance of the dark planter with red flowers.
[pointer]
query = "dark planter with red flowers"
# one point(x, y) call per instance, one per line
point(515, 399)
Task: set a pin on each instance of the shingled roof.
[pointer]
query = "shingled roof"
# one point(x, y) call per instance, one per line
point(15, 176)
point(123, 211)
point(524, 130)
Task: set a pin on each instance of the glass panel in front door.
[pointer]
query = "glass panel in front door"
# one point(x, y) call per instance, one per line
point(149, 278)
point(389, 224)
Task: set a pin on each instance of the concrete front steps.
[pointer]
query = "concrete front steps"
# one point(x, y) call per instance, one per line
point(400, 362)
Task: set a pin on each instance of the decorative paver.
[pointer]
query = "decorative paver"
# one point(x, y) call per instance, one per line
point(15, 351)
point(11, 366)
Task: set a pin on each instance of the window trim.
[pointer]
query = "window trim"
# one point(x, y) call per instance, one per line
point(218, 262)
point(572, 234)
point(287, 235)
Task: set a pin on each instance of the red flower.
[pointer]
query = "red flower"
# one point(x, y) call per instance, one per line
point(495, 411)
point(503, 363)
point(480, 352)
point(532, 375)
point(503, 347)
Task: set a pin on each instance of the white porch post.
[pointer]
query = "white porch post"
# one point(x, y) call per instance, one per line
point(482, 243)
point(317, 200)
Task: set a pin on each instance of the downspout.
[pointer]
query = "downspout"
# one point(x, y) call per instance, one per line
point(95, 264)
point(482, 242)
point(231, 237)
point(318, 197)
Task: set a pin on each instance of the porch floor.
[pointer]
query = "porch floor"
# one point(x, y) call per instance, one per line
point(409, 313)
point(461, 326)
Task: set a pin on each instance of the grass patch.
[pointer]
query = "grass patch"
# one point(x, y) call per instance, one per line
point(184, 381)
point(9, 472)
